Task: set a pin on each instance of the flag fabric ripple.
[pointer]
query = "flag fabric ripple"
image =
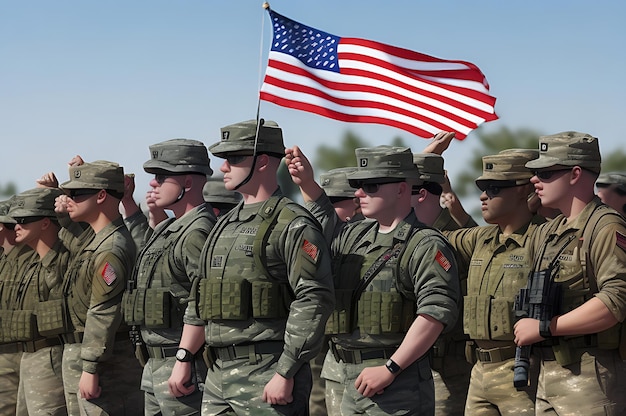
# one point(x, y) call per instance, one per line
point(363, 81)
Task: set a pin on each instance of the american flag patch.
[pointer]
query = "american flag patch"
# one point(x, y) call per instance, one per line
point(443, 260)
point(620, 240)
point(108, 274)
point(310, 249)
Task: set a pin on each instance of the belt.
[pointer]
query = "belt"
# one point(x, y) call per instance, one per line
point(10, 348)
point(233, 352)
point(161, 352)
point(495, 355)
point(72, 338)
point(32, 346)
point(357, 356)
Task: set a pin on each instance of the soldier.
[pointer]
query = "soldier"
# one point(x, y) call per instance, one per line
point(265, 289)
point(451, 371)
point(167, 263)
point(497, 262)
point(40, 389)
point(100, 375)
point(582, 253)
point(13, 260)
point(612, 190)
point(221, 199)
point(396, 284)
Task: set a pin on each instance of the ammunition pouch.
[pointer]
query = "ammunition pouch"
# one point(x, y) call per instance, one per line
point(157, 308)
point(340, 321)
point(486, 317)
point(18, 325)
point(132, 303)
point(53, 318)
point(5, 327)
point(384, 313)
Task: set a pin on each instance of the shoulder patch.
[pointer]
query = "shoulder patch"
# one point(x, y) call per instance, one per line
point(443, 260)
point(620, 240)
point(310, 249)
point(108, 274)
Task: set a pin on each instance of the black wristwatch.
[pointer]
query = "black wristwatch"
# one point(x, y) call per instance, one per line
point(392, 366)
point(184, 355)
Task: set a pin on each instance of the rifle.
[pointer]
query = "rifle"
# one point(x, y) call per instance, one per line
point(541, 300)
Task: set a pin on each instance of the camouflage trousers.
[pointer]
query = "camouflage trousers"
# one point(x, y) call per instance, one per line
point(119, 379)
point(411, 393)
point(158, 400)
point(334, 383)
point(593, 386)
point(40, 391)
point(235, 387)
point(317, 402)
point(451, 375)
point(491, 391)
point(9, 380)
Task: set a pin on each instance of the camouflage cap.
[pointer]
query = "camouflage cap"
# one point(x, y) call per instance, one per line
point(100, 174)
point(4, 210)
point(508, 165)
point(179, 156)
point(613, 178)
point(36, 202)
point(215, 193)
point(430, 167)
point(335, 183)
point(568, 148)
point(238, 138)
point(383, 164)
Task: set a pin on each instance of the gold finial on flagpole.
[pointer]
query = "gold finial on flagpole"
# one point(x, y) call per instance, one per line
point(266, 5)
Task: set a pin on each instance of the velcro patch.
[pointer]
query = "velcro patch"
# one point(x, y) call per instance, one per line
point(311, 250)
point(443, 260)
point(108, 274)
point(620, 240)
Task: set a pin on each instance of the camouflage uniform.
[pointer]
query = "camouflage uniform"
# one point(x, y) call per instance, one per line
point(93, 287)
point(451, 371)
point(272, 257)
point(12, 266)
point(40, 390)
point(582, 375)
point(497, 267)
point(419, 279)
point(161, 280)
point(612, 190)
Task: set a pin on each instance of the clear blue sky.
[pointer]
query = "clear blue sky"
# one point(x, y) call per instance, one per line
point(105, 79)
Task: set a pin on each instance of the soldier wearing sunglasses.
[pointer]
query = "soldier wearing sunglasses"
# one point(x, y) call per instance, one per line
point(14, 258)
point(583, 252)
point(378, 361)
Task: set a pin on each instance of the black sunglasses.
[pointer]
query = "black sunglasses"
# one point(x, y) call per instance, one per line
point(235, 159)
point(544, 175)
point(369, 187)
point(9, 225)
point(82, 192)
point(27, 220)
point(492, 189)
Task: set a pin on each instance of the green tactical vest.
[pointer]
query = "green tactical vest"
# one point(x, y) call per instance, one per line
point(237, 283)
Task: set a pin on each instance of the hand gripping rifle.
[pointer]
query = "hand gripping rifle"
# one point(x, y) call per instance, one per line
point(541, 300)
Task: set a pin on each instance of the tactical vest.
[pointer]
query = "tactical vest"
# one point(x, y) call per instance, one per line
point(155, 297)
point(580, 280)
point(384, 305)
point(494, 279)
point(237, 283)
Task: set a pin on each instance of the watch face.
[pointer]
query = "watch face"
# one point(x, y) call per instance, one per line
point(180, 354)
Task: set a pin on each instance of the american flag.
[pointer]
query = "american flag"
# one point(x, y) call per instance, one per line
point(363, 81)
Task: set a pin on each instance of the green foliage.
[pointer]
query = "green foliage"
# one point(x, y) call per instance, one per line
point(331, 157)
point(615, 161)
point(8, 190)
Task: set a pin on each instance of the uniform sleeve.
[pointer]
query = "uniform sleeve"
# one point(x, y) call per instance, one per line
point(139, 229)
point(435, 278)
point(324, 212)
point(464, 243)
point(104, 315)
point(308, 265)
point(188, 251)
point(608, 256)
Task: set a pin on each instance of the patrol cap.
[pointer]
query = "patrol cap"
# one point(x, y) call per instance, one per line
point(36, 202)
point(569, 148)
point(430, 167)
point(383, 164)
point(238, 138)
point(100, 174)
point(613, 178)
point(508, 165)
point(179, 156)
point(215, 193)
point(4, 210)
point(335, 183)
